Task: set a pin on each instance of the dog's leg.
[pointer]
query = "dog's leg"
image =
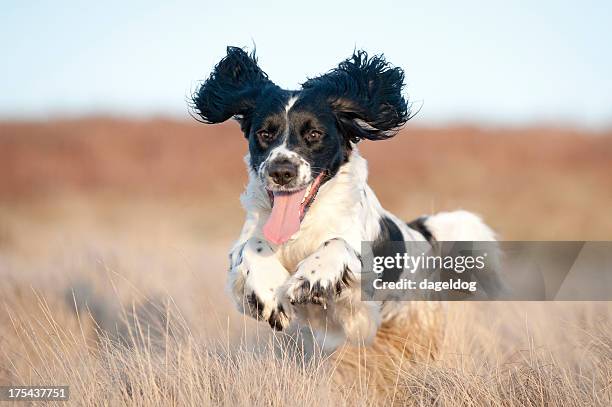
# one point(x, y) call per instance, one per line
point(255, 279)
point(324, 293)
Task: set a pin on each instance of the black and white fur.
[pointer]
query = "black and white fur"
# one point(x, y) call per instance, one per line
point(313, 278)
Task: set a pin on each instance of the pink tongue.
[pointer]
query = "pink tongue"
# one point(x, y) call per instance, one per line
point(284, 220)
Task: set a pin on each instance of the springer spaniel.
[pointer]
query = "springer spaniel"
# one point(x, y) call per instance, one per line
point(308, 206)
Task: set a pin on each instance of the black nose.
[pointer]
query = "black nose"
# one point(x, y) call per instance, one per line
point(282, 172)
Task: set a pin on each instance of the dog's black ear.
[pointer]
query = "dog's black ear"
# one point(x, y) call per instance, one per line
point(366, 96)
point(232, 89)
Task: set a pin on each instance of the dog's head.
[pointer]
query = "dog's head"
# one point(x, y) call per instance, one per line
point(299, 139)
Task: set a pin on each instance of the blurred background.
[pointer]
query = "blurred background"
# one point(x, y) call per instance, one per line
point(110, 192)
point(514, 105)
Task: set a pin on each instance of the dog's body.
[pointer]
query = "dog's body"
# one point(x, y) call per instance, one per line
point(309, 207)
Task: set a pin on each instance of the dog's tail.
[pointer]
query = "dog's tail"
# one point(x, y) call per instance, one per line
point(453, 226)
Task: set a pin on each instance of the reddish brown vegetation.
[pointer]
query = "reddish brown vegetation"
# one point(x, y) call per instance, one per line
point(556, 181)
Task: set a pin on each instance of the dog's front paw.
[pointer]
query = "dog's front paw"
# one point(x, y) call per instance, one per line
point(255, 279)
point(323, 276)
point(318, 290)
point(267, 308)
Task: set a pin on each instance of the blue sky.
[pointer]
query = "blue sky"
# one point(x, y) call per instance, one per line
point(470, 61)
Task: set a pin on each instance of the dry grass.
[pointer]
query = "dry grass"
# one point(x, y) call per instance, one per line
point(112, 257)
point(170, 337)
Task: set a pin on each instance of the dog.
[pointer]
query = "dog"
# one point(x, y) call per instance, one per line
point(308, 205)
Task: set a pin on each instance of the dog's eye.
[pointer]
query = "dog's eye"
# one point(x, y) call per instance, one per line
point(265, 136)
point(313, 136)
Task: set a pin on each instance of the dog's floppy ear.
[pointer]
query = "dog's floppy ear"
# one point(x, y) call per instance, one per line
point(232, 89)
point(366, 96)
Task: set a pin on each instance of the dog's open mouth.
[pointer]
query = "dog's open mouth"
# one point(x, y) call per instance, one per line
point(288, 210)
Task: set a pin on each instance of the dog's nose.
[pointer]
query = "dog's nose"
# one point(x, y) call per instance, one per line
point(282, 172)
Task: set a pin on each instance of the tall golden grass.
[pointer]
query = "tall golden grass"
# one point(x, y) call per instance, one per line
point(113, 237)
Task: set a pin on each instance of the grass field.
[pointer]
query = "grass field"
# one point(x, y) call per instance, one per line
point(113, 240)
